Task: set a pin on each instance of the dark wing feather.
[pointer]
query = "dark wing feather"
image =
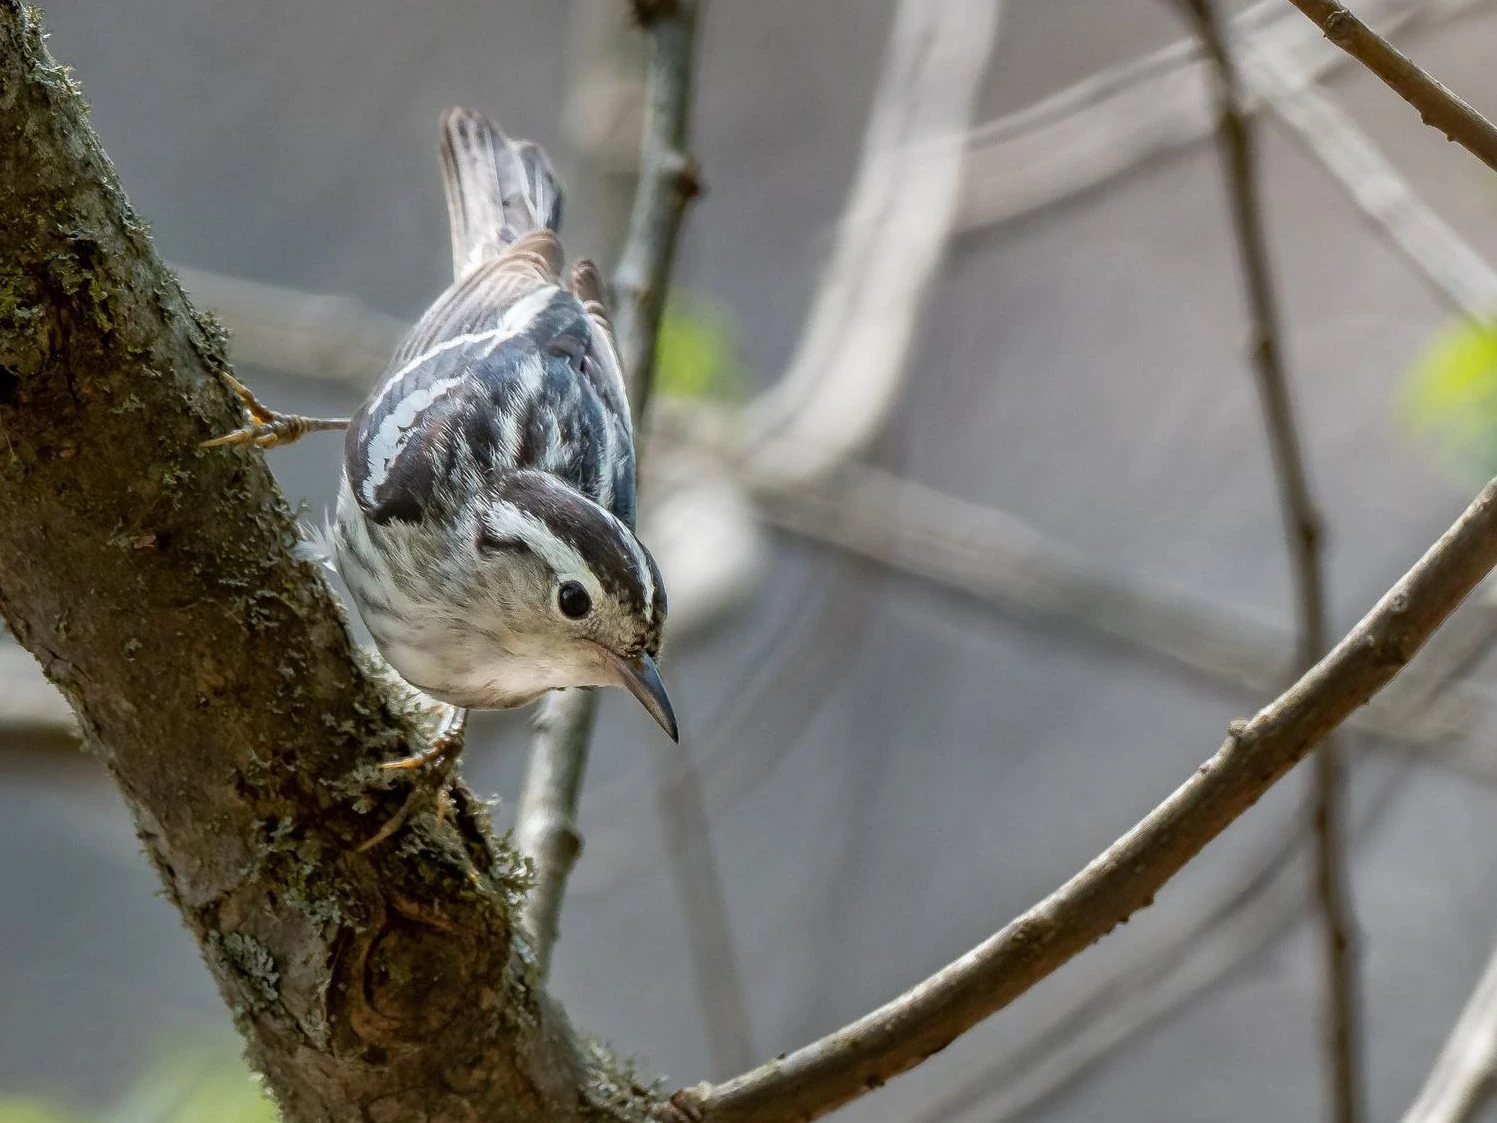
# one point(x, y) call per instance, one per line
point(484, 384)
point(605, 373)
point(478, 404)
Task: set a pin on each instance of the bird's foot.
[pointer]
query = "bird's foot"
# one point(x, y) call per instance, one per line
point(442, 756)
point(269, 428)
point(684, 1106)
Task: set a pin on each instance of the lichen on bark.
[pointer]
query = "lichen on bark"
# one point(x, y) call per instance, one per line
point(214, 677)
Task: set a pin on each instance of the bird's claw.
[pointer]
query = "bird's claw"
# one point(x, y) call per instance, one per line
point(444, 746)
point(684, 1106)
point(268, 428)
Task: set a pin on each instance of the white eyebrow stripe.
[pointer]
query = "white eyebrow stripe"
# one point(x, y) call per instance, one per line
point(508, 521)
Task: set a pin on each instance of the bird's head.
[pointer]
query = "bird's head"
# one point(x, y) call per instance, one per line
point(559, 593)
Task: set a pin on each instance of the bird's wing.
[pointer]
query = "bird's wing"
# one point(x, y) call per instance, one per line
point(408, 418)
point(601, 367)
point(540, 390)
point(478, 302)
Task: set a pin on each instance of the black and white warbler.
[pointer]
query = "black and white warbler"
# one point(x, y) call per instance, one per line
point(485, 520)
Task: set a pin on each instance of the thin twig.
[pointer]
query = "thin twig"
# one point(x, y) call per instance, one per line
point(668, 181)
point(1110, 123)
point(1446, 261)
point(1302, 530)
point(1437, 106)
point(1465, 1073)
point(821, 1076)
point(1187, 962)
point(547, 830)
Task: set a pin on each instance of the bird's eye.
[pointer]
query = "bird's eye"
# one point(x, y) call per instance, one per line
point(573, 600)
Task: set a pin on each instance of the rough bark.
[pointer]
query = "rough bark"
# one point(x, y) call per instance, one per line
point(213, 675)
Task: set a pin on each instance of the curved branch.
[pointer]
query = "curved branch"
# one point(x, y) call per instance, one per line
point(212, 673)
point(824, 1075)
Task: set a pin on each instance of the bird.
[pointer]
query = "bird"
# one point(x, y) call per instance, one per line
point(485, 520)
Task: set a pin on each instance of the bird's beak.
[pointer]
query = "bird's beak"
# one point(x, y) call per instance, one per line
point(641, 678)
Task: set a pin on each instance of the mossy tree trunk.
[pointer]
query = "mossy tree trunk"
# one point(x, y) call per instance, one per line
point(213, 675)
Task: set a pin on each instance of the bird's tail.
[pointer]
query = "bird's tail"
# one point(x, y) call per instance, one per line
point(497, 189)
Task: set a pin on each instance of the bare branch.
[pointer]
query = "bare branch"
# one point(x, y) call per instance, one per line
point(1189, 958)
point(845, 374)
point(1437, 106)
point(1125, 878)
point(1464, 1075)
point(1302, 530)
point(547, 829)
point(668, 180)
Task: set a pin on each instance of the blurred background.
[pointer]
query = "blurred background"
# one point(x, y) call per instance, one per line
point(993, 558)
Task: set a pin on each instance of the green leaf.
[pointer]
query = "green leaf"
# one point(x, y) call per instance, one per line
point(696, 355)
point(1450, 396)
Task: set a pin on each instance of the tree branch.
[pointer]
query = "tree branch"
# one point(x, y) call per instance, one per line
point(547, 830)
point(1302, 530)
point(1437, 106)
point(212, 673)
point(821, 1076)
point(669, 180)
